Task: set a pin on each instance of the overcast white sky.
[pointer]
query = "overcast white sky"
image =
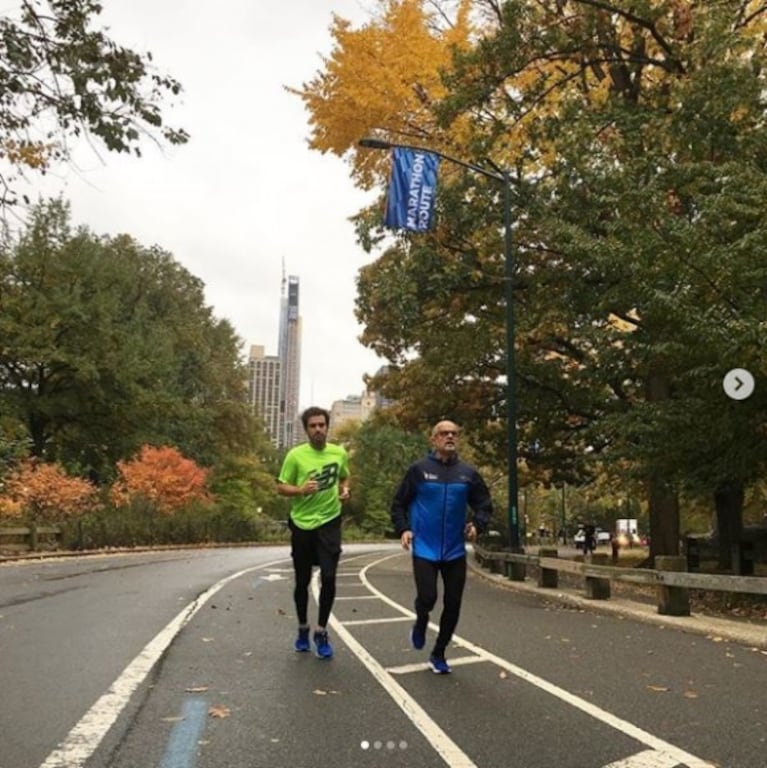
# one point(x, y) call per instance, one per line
point(246, 192)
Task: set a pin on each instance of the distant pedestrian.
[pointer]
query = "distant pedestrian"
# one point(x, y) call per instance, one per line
point(589, 539)
point(429, 512)
point(315, 475)
point(615, 546)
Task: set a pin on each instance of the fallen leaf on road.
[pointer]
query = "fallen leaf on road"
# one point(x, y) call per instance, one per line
point(280, 611)
point(219, 711)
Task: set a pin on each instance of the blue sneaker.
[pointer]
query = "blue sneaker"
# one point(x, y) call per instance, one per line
point(302, 641)
point(417, 637)
point(324, 648)
point(438, 665)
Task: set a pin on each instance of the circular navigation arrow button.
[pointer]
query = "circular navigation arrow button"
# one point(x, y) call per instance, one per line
point(738, 384)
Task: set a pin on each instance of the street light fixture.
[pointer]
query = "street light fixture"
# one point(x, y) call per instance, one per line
point(504, 178)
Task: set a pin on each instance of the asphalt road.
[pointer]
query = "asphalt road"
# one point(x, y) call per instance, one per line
point(185, 660)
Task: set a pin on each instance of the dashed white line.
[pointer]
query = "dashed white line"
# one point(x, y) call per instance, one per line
point(406, 669)
point(361, 622)
point(356, 597)
point(648, 759)
point(662, 749)
point(445, 747)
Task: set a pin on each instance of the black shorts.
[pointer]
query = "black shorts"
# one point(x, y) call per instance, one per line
point(318, 546)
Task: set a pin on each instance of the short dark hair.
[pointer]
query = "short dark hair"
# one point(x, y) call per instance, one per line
point(314, 411)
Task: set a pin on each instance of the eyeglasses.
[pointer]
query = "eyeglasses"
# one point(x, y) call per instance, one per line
point(448, 433)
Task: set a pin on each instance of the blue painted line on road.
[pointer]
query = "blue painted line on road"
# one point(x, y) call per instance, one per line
point(181, 751)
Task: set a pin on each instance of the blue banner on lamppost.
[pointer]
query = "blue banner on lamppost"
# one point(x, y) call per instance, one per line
point(412, 190)
point(410, 205)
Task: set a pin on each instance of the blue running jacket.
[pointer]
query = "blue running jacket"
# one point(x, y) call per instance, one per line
point(432, 501)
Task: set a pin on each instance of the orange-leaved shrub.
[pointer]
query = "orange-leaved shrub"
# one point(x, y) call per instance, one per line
point(43, 492)
point(161, 476)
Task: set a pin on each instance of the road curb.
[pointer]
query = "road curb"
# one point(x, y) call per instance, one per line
point(716, 629)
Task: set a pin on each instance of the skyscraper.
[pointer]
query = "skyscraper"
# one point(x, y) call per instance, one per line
point(265, 391)
point(289, 353)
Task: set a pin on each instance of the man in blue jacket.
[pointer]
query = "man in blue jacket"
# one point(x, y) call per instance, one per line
point(429, 512)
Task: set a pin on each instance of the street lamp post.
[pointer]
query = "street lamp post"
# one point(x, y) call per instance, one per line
point(504, 178)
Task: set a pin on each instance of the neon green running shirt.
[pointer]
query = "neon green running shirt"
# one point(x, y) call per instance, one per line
point(327, 466)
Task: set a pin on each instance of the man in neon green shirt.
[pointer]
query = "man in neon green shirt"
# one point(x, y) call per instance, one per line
point(315, 475)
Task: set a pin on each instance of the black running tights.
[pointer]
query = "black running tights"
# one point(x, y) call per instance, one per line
point(321, 546)
point(453, 579)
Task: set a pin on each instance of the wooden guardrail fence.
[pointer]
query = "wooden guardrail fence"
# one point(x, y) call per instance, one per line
point(670, 576)
point(25, 538)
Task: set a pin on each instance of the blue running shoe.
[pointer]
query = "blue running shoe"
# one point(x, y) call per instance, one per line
point(324, 648)
point(417, 637)
point(302, 641)
point(438, 665)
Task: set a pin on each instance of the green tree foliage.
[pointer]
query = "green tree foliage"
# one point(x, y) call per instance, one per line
point(635, 137)
point(107, 345)
point(642, 247)
point(61, 77)
point(380, 452)
point(244, 484)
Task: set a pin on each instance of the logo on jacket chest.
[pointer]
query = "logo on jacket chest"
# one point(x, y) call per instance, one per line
point(459, 478)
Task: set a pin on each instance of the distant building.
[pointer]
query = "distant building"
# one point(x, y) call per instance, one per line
point(357, 407)
point(265, 391)
point(352, 408)
point(289, 352)
point(274, 381)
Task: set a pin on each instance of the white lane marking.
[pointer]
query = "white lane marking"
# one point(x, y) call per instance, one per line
point(407, 669)
point(629, 729)
point(359, 622)
point(647, 759)
point(357, 597)
point(445, 747)
point(84, 738)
